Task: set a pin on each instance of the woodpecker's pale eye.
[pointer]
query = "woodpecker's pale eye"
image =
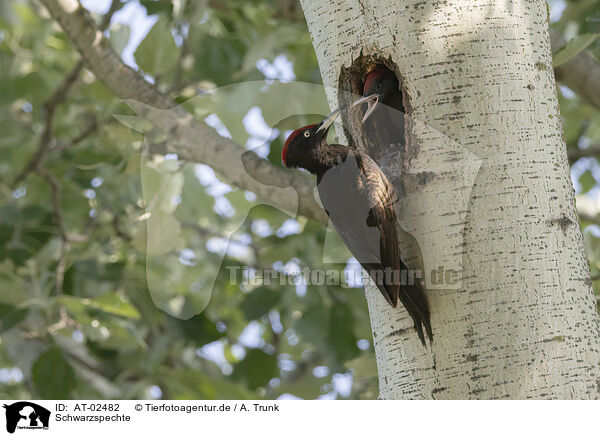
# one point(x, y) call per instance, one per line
point(378, 86)
point(306, 133)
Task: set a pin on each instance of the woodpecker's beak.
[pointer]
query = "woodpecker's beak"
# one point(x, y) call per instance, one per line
point(330, 119)
point(372, 101)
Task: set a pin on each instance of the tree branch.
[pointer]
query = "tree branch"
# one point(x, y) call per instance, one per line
point(245, 170)
point(586, 216)
point(581, 74)
point(575, 153)
point(59, 96)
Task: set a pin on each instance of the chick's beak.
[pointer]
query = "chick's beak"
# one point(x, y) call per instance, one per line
point(330, 119)
point(371, 100)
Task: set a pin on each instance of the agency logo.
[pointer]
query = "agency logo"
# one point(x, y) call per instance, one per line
point(26, 415)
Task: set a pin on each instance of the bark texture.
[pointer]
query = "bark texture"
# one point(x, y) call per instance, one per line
point(522, 323)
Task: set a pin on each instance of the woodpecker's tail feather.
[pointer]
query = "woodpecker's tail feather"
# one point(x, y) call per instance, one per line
point(411, 296)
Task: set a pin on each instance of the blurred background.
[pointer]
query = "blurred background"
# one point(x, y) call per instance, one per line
point(78, 317)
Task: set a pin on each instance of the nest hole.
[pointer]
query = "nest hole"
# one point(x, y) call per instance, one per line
point(384, 136)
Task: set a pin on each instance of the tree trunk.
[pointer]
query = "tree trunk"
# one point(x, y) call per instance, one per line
point(496, 202)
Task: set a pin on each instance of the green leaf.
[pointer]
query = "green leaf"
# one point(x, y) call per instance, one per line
point(218, 59)
point(119, 37)
point(269, 45)
point(363, 366)
point(158, 6)
point(157, 53)
point(75, 306)
point(113, 303)
point(307, 387)
point(116, 334)
point(259, 302)
point(161, 184)
point(198, 329)
point(573, 48)
point(109, 302)
point(195, 202)
point(256, 369)
point(587, 182)
point(53, 377)
point(10, 316)
point(313, 323)
point(187, 384)
point(341, 335)
point(162, 234)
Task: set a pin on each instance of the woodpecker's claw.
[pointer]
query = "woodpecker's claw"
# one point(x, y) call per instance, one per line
point(371, 100)
point(330, 119)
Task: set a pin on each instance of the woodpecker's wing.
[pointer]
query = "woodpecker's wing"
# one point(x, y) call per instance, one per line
point(359, 201)
point(346, 193)
point(344, 200)
point(381, 215)
point(410, 293)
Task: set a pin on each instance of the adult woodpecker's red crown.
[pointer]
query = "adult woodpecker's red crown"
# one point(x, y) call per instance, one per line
point(289, 140)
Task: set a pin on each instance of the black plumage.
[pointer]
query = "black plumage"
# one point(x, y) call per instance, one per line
point(359, 201)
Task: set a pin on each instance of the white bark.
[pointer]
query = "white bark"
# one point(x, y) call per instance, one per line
point(523, 323)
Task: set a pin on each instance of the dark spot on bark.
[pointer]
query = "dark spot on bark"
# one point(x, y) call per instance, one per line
point(437, 391)
point(477, 377)
point(399, 332)
point(456, 99)
point(530, 87)
point(425, 177)
point(563, 222)
point(554, 339)
point(471, 357)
